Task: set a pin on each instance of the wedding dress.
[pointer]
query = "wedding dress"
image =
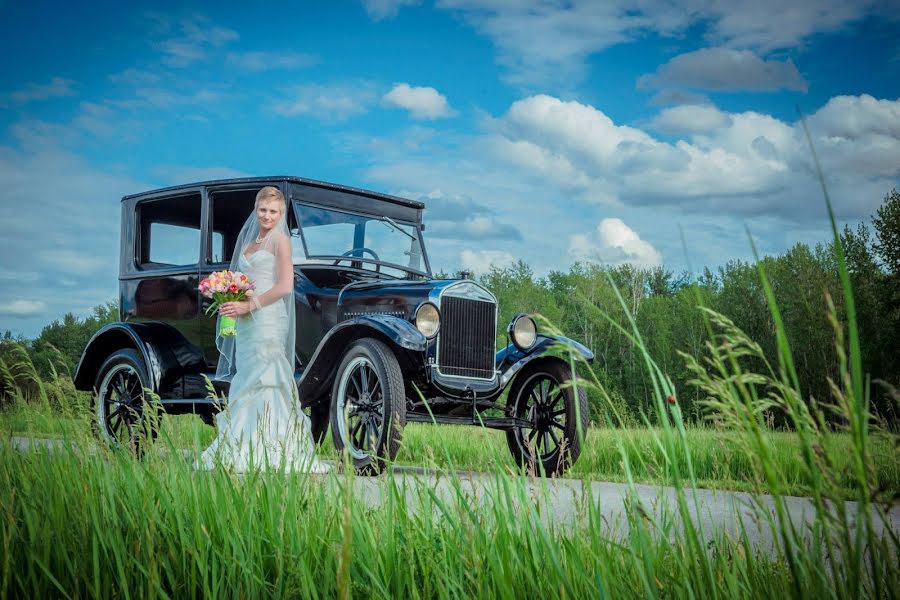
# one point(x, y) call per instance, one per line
point(263, 426)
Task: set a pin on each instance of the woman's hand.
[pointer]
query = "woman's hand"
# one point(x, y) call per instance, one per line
point(235, 309)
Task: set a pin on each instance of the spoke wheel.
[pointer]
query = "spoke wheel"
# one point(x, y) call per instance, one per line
point(120, 404)
point(541, 395)
point(368, 408)
point(361, 407)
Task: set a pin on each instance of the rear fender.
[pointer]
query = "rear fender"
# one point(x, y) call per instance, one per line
point(167, 355)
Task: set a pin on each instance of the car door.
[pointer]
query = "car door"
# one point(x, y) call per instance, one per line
point(162, 285)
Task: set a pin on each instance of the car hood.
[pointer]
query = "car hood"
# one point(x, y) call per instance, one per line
point(402, 298)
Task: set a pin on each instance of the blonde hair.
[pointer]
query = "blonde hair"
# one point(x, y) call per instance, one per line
point(268, 194)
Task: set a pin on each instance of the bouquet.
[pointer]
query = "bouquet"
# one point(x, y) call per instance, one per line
point(226, 286)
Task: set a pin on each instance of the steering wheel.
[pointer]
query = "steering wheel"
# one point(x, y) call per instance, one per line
point(361, 249)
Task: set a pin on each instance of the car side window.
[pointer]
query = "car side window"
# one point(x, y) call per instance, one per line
point(169, 231)
point(229, 209)
point(218, 247)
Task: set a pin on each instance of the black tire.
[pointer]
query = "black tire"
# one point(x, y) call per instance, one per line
point(123, 416)
point(320, 417)
point(368, 416)
point(541, 394)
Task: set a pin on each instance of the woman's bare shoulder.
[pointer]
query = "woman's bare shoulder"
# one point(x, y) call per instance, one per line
point(282, 242)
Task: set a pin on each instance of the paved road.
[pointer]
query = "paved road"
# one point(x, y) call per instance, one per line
point(562, 503)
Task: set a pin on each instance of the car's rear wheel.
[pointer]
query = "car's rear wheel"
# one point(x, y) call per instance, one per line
point(122, 416)
point(543, 396)
point(368, 405)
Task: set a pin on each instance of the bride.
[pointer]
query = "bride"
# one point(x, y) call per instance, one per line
point(263, 424)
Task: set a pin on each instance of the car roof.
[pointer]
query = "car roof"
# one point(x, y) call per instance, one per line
point(290, 178)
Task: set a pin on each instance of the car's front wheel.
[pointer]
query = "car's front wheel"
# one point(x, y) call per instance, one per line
point(121, 414)
point(543, 396)
point(368, 405)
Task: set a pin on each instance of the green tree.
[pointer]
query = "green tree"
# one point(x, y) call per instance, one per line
point(68, 337)
point(887, 227)
point(887, 247)
point(660, 283)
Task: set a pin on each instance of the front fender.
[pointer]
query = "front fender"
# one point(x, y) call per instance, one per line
point(510, 360)
point(319, 372)
point(167, 355)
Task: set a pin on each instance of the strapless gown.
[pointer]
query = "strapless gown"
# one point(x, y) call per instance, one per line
point(263, 426)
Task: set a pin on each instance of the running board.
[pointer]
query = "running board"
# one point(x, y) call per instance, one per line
point(504, 423)
point(180, 406)
point(186, 401)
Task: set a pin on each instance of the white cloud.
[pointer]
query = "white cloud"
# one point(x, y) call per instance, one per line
point(749, 163)
point(614, 243)
point(195, 38)
point(475, 227)
point(72, 261)
point(181, 53)
point(330, 102)
point(57, 87)
point(81, 243)
point(383, 9)
point(99, 120)
point(421, 102)
point(158, 97)
point(96, 119)
point(175, 174)
point(770, 24)
point(481, 261)
point(858, 137)
point(267, 61)
point(202, 30)
point(852, 117)
point(725, 69)
point(135, 77)
point(670, 97)
point(546, 44)
point(22, 308)
point(690, 118)
point(556, 169)
point(459, 217)
point(17, 276)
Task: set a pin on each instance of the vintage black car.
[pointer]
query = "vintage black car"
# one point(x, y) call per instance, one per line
point(380, 341)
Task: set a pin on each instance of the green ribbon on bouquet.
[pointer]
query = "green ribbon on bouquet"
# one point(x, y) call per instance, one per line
point(227, 327)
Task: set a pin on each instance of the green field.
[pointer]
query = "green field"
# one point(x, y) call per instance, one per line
point(721, 458)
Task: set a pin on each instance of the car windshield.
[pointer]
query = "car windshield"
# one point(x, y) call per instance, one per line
point(331, 233)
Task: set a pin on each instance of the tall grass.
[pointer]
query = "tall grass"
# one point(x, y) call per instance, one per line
point(21, 382)
point(720, 456)
point(77, 525)
point(106, 524)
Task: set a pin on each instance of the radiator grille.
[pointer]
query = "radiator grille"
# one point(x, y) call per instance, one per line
point(467, 337)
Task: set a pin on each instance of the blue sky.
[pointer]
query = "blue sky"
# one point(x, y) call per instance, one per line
point(548, 131)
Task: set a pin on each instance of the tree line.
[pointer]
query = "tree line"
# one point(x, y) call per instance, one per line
point(584, 304)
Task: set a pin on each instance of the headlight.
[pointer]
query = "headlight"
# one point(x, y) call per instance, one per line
point(428, 320)
point(523, 331)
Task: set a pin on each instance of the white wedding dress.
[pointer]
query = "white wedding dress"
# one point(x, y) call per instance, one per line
point(263, 426)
